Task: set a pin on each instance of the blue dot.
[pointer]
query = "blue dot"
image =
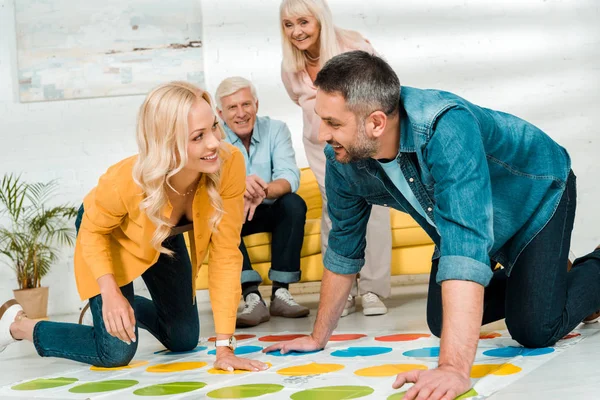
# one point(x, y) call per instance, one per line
point(508, 352)
point(176, 353)
point(424, 352)
point(361, 351)
point(241, 350)
point(291, 353)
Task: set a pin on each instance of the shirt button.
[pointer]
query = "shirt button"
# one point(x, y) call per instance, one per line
point(429, 209)
point(411, 180)
point(198, 214)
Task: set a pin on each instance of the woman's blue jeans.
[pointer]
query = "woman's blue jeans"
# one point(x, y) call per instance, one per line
point(171, 316)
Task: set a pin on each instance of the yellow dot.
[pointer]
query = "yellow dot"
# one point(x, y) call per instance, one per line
point(215, 371)
point(388, 369)
point(310, 369)
point(479, 371)
point(131, 365)
point(176, 367)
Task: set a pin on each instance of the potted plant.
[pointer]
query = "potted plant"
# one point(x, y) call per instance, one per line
point(31, 236)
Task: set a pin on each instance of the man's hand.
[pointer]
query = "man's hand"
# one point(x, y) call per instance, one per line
point(255, 187)
point(442, 383)
point(250, 205)
point(302, 344)
point(227, 361)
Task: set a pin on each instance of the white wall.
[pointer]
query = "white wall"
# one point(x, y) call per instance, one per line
point(539, 59)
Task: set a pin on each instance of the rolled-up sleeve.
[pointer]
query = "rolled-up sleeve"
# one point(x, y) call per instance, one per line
point(225, 258)
point(463, 213)
point(349, 215)
point(284, 157)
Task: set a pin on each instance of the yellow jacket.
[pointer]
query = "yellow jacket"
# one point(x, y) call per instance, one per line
point(114, 237)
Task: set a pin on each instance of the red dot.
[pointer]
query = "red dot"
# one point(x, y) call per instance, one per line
point(571, 336)
point(403, 337)
point(346, 336)
point(237, 337)
point(279, 338)
point(491, 335)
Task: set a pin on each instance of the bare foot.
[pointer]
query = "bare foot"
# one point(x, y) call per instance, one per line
point(22, 327)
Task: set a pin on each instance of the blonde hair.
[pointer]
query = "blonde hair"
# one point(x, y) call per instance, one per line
point(332, 38)
point(162, 139)
point(231, 85)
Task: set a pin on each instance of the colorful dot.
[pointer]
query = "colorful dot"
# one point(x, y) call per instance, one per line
point(103, 386)
point(333, 393)
point(479, 371)
point(467, 395)
point(40, 384)
point(133, 364)
point(292, 353)
point(215, 371)
point(404, 337)
point(310, 369)
point(176, 367)
point(388, 370)
point(177, 353)
point(424, 352)
point(241, 350)
point(237, 337)
point(165, 389)
point(511, 351)
point(489, 335)
point(571, 336)
point(244, 391)
point(361, 351)
point(343, 337)
point(280, 338)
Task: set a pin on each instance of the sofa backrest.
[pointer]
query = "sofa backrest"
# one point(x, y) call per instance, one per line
point(309, 191)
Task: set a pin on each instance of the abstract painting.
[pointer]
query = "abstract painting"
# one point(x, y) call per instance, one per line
point(84, 49)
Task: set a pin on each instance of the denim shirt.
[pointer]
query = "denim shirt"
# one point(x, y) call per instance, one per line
point(271, 155)
point(488, 180)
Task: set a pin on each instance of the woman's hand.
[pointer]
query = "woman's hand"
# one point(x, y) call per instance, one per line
point(227, 361)
point(117, 313)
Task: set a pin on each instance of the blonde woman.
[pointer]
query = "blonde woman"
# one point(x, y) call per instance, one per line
point(128, 227)
point(310, 39)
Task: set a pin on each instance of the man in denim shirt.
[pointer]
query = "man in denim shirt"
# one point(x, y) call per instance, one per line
point(271, 202)
point(486, 186)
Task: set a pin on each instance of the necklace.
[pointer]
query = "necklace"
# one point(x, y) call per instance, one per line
point(194, 187)
point(311, 58)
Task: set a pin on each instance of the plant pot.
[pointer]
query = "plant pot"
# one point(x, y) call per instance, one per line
point(34, 301)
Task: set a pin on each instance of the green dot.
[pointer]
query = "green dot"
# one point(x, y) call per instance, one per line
point(165, 389)
point(244, 391)
point(333, 393)
point(103, 386)
point(466, 395)
point(39, 384)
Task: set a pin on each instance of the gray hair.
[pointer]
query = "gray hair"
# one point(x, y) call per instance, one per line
point(231, 85)
point(366, 82)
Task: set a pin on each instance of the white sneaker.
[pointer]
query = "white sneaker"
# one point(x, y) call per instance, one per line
point(372, 304)
point(350, 306)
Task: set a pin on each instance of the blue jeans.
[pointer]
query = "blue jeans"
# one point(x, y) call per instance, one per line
point(540, 300)
point(171, 316)
point(285, 219)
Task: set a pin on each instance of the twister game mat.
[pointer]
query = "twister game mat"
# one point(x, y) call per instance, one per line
point(352, 366)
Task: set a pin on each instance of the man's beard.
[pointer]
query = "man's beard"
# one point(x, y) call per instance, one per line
point(363, 147)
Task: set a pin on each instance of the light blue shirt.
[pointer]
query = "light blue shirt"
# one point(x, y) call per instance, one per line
point(393, 171)
point(271, 154)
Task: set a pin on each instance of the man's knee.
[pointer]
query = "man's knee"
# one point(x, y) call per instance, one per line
point(435, 324)
point(294, 205)
point(183, 338)
point(531, 335)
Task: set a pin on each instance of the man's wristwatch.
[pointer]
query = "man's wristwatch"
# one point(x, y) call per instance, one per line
point(231, 342)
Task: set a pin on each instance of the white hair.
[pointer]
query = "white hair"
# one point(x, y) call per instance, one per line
point(231, 85)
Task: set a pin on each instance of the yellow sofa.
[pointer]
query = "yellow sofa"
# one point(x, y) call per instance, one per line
point(411, 247)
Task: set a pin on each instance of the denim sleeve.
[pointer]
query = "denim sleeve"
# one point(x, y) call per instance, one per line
point(349, 216)
point(463, 212)
point(284, 158)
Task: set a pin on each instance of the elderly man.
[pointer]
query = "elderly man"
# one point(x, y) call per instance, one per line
point(272, 177)
point(487, 187)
